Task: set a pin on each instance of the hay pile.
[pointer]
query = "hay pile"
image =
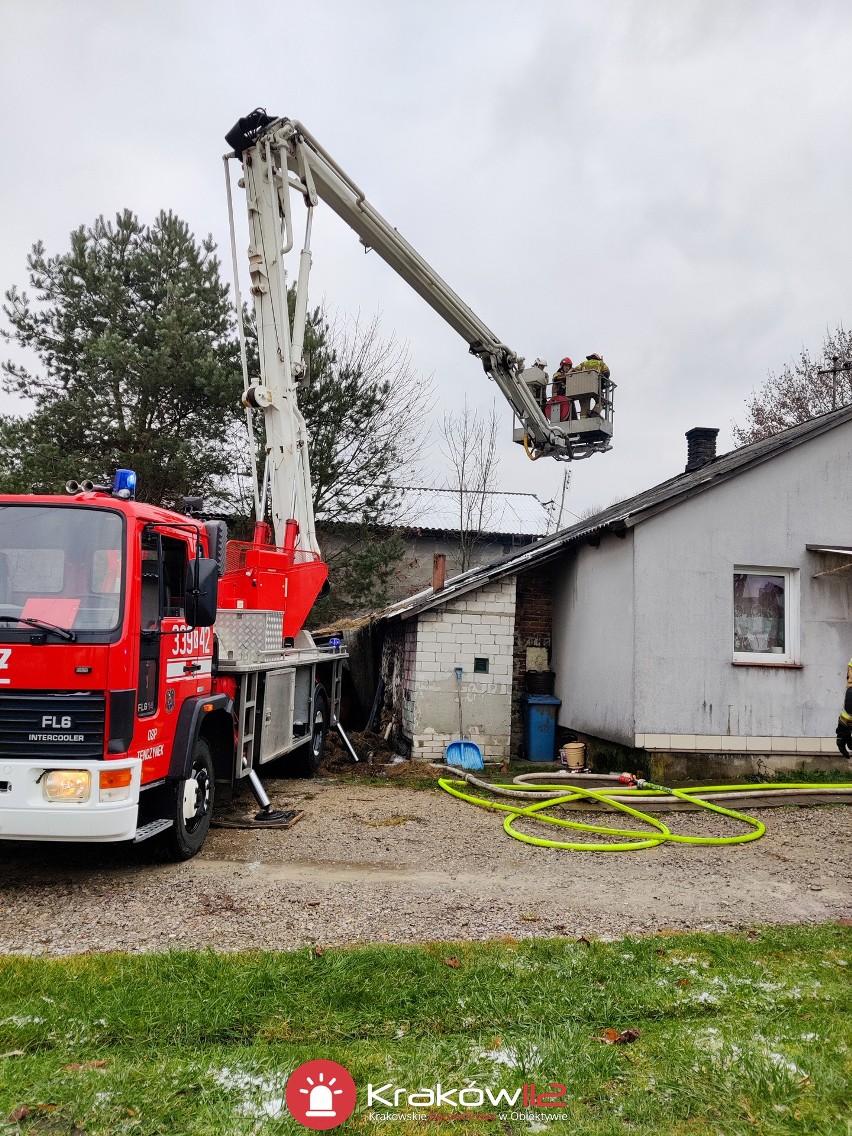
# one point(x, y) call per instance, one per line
point(377, 757)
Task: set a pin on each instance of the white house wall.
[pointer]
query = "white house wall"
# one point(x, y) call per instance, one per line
point(686, 686)
point(478, 624)
point(593, 638)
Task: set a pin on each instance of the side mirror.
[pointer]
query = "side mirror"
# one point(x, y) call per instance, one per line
point(201, 592)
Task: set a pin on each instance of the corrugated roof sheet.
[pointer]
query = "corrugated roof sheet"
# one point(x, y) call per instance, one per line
point(627, 513)
point(519, 514)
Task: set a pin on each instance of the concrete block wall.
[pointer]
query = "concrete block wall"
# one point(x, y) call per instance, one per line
point(479, 624)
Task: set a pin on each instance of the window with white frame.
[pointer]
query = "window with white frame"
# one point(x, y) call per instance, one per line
point(766, 615)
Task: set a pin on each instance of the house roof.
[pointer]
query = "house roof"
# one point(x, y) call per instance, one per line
point(503, 513)
point(625, 514)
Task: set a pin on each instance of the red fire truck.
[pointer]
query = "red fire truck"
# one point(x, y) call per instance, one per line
point(121, 704)
point(145, 658)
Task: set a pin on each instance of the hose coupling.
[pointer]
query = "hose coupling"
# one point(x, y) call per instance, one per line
point(626, 779)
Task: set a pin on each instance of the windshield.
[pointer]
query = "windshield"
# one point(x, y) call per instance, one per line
point(62, 566)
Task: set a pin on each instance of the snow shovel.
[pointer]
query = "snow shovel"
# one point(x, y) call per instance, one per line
point(463, 754)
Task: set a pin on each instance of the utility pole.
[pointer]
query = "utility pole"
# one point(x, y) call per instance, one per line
point(836, 366)
point(566, 481)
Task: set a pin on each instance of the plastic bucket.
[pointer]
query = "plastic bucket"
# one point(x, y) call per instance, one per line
point(573, 755)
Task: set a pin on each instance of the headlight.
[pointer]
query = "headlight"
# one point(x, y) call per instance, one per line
point(67, 785)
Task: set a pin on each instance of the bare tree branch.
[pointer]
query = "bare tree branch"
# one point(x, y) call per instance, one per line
point(470, 450)
point(800, 392)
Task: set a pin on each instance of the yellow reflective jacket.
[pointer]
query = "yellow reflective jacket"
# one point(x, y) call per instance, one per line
point(846, 712)
point(594, 365)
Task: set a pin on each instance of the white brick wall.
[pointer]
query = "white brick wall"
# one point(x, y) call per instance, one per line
point(480, 624)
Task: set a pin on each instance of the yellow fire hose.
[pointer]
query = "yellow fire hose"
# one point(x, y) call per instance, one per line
point(556, 795)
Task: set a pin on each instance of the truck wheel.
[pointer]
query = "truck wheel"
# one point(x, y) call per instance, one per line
point(192, 807)
point(305, 760)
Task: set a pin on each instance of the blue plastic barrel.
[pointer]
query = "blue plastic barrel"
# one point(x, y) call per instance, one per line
point(540, 714)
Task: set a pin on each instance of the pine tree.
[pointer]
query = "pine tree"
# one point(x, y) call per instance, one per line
point(133, 331)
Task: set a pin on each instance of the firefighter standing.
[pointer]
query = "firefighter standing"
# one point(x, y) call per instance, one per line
point(565, 366)
point(844, 722)
point(558, 407)
point(536, 379)
point(593, 363)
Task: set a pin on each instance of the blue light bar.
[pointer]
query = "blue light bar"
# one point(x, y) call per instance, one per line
point(124, 484)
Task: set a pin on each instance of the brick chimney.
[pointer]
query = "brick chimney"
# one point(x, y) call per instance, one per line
point(439, 571)
point(700, 446)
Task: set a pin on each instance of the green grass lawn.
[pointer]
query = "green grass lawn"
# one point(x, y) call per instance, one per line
point(739, 1034)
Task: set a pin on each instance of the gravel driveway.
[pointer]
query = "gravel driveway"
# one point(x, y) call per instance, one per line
point(385, 864)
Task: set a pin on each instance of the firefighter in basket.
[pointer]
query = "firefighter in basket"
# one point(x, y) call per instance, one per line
point(558, 407)
point(591, 407)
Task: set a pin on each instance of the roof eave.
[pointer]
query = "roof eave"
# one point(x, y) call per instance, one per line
point(548, 548)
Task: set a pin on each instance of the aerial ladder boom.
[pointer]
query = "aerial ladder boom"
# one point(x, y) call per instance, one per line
point(280, 155)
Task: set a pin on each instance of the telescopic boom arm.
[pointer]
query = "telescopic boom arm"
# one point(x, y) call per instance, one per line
point(279, 154)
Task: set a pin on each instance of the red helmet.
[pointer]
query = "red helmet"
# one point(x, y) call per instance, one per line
point(565, 364)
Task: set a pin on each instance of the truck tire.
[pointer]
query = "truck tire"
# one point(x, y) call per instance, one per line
point(191, 807)
point(306, 759)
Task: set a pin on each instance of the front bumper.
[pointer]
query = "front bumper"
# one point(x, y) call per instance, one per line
point(26, 815)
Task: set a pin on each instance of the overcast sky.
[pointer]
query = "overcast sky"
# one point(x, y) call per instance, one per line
point(665, 182)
